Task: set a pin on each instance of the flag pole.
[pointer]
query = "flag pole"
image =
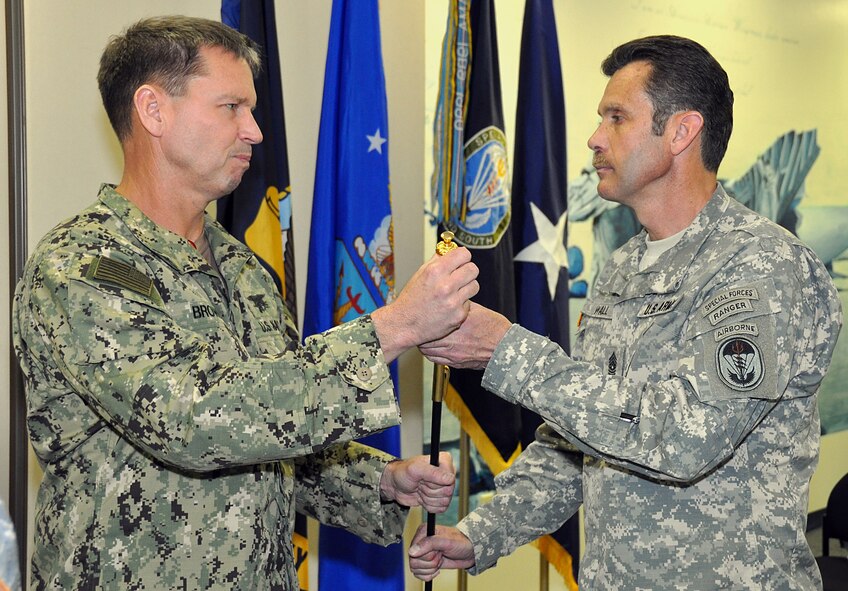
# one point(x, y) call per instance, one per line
point(464, 492)
point(441, 373)
point(17, 250)
point(440, 381)
point(543, 572)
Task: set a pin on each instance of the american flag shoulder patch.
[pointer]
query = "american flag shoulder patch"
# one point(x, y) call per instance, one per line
point(121, 274)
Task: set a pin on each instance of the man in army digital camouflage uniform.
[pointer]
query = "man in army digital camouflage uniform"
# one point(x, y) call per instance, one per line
point(692, 385)
point(177, 417)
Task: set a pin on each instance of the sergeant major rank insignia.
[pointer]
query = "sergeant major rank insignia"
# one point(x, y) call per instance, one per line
point(484, 213)
point(612, 364)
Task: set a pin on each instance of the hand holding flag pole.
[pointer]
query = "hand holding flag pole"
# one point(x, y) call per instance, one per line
point(441, 373)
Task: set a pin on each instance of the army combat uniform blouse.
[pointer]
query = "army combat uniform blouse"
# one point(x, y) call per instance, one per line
point(692, 393)
point(177, 418)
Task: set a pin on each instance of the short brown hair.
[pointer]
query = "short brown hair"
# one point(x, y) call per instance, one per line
point(684, 76)
point(164, 50)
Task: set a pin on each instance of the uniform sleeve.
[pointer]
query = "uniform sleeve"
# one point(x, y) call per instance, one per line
point(340, 486)
point(733, 369)
point(535, 496)
point(195, 399)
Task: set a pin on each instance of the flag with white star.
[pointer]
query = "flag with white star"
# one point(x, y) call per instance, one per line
point(540, 217)
point(351, 246)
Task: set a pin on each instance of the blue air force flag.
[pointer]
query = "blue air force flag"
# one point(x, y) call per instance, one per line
point(351, 258)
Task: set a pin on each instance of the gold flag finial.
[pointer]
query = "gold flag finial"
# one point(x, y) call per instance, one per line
point(446, 244)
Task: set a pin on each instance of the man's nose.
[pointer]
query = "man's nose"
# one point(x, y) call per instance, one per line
point(250, 130)
point(595, 140)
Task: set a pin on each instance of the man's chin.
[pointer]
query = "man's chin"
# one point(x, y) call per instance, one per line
point(232, 185)
point(606, 194)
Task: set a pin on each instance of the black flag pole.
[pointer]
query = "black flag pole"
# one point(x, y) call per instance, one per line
point(441, 373)
point(440, 381)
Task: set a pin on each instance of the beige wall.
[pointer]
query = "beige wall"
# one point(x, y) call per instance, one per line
point(71, 149)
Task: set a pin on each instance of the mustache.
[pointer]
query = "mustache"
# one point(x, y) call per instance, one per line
point(598, 161)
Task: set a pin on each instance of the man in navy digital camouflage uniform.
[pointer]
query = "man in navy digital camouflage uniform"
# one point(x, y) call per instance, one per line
point(691, 390)
point(177, 417)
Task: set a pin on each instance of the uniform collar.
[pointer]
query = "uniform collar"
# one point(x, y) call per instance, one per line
point(666, 275)
point(172, 247)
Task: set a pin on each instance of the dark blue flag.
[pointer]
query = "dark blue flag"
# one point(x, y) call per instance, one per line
point(258, 212)
point(539, 210)
point(351, 258)
point(471, 198)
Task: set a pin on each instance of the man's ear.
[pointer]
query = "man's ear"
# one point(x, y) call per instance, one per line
point(147, 104)
point(687, 126)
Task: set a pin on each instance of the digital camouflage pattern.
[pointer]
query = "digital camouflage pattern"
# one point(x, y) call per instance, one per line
point(692, 393)
point(178, 419)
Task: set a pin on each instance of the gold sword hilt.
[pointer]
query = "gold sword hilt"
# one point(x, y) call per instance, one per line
point(446, 244)
point(441, 373)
